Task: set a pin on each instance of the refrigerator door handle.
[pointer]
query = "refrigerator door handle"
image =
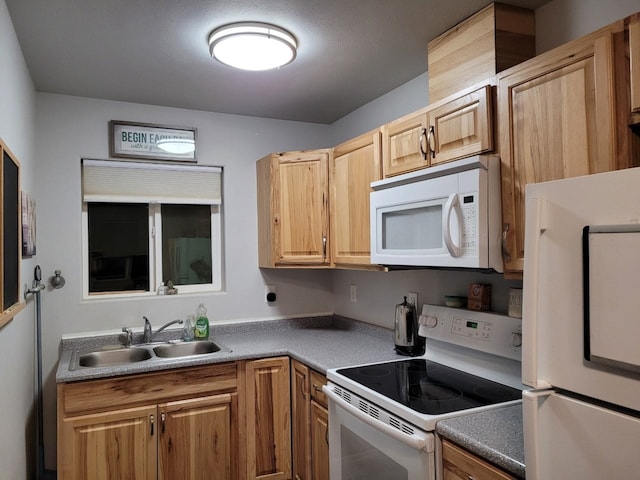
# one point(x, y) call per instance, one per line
point(535, 227)
point(531, 401)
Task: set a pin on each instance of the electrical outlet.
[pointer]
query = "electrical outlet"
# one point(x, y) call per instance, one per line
point(270, 293)
point(412, 298)
point(353, 293)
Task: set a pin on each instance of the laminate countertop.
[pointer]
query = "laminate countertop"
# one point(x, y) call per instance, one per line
point(494, 435)
point(320, 342)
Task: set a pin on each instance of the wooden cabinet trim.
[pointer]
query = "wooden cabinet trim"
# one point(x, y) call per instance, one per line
point(120, 392)
point(319, 441)
point(301, 421)
point(634, 61)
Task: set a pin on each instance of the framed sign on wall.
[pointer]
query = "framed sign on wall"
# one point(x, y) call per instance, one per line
point(152, 142)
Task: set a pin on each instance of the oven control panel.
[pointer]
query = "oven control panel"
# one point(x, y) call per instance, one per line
point(471, 328)
point(488, 332)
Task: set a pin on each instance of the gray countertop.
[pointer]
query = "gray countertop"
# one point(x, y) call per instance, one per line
point(321, 343)
point(495, 435)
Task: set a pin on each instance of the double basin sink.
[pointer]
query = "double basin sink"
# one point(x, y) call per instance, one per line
point(146, 352)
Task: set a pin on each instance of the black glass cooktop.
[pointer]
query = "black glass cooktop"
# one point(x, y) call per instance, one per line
point(429, 387)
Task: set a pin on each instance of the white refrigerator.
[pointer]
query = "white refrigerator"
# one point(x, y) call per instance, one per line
point(581, 328)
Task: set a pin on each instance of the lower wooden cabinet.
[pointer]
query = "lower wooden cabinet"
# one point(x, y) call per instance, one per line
point(310, 424)
point(319, 441)
point(268, 417)
point(459, 464)
point(195, 439)
point(301, 418)
point(167, 425)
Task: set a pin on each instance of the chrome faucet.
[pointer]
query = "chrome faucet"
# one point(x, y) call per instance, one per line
point(149, 335)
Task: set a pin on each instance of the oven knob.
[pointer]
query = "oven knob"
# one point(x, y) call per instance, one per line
point(429, 321)
point(516, 339)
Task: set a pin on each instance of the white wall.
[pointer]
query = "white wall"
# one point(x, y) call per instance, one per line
point(560, 21)
point(17, 434)
point(71, 128)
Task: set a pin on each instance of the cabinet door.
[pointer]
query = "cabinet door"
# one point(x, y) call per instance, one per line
point(198, 438)
point(118, 444)
point(268, 419)
point(317, 381)
point(458, 464)
point(355, 164)
point(320, 441)
point(556, 114)
point(404, 144)
point(301, 208)
point(300, 402)
point(461, 127)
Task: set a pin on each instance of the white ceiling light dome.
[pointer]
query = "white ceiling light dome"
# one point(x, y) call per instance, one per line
point(179, 146)
point(252, 46)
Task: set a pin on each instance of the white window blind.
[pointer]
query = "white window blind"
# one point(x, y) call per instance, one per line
point(129, 182)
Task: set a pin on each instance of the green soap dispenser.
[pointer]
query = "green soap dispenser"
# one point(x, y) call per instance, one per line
point(202, 323)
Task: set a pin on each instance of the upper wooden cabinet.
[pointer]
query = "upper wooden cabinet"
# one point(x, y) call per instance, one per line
point(404, 144)
point(495, 38)
point(557, 119)
point(354, 165)
point(460, 127)
point(293, 209)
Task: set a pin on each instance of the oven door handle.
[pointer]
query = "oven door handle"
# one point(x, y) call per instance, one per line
point(416, 441)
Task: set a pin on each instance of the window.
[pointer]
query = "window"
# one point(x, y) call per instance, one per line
point(144, 224)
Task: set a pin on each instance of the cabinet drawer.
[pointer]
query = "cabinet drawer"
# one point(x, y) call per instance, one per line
point(460, 464)
point(317, 381)
point(98, 395)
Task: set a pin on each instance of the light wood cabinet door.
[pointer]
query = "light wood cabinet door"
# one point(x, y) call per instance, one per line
point(354, 165)
point(198, 438)
point(458, 464)
point(117, 444)
point(301, 415)
point(556, 120)
point(268, 416)
point(461, 127)
point(293, 209)
point(404, 145)
point(319, 441)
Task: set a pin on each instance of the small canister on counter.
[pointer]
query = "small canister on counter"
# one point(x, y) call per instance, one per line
point(479, 297)
point(515, 302)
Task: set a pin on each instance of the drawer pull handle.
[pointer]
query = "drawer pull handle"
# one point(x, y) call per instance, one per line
point(163, 418)
point(151, 423)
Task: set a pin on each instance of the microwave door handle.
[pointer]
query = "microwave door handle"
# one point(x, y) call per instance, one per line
point(452, 203)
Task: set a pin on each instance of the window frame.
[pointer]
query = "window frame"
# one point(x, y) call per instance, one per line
point(155, 252)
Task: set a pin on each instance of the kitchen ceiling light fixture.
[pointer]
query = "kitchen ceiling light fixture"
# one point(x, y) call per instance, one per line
point(252, 46)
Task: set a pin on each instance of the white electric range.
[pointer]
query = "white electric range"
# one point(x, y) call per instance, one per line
point(382, 416)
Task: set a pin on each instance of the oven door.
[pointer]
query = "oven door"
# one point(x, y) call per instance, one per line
point(366, 442)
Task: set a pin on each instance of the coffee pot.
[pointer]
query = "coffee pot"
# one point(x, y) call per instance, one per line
point(408, 342)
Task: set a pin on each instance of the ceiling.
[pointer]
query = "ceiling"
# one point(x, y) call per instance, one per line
point(156, 52)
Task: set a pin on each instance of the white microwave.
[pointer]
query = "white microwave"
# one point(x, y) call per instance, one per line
point(443, 216)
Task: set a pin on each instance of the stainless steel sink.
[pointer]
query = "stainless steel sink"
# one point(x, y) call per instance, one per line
point(113, 357)
point(186, 349)
point(145, 352)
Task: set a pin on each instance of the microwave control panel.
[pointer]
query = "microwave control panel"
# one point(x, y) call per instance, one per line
point(469, 207)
